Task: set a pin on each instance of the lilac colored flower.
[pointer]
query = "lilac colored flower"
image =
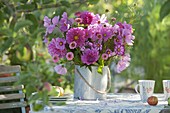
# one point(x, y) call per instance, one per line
point(109, 52)
point(122, 65)
point(55, 58)
point(72, 45)
point(128, 26)
point(45, 40)
point(119, 50)
point(99, 20)
point(82, 48)
point(77, 35)
point(53, 50)
point(126, 57)
point(106, 33)
point(129, 39)
point(47, 21)
point(60, 69)
point(60, 43)
point(89, 44)
point(105, 56)
point(118, 40)
point(115, 29)
point(86, 17)
point(69, 56)
point(50, 29)
point(64, 26)
point(90, 56)
point(55, 20)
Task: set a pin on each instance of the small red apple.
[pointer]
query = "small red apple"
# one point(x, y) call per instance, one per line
point(152, 100)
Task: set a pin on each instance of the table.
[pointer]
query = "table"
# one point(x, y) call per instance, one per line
point(115, 103)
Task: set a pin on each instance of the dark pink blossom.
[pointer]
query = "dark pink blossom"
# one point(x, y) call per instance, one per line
point(90, 56)
point(77, 35)
point(69, 55)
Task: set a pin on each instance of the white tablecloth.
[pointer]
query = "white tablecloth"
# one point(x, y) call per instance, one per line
point(116, 103)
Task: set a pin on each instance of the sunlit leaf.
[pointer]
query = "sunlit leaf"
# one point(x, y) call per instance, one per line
point(22, 24)
point(165, 9)
point(6, 45)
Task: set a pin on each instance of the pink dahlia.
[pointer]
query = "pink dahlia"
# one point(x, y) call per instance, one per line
point(86, 17)
point(55, 58)
point(90, 56)
point(105, 56)
point(77, 35)
point(72, 45)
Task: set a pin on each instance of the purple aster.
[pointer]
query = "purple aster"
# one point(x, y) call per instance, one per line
point(115, 29)
point(60, 43)
point(55, 58)
point(118, 40)
point(88, 33)
point(69, 56)
point(77, 35)
point(106, 33)
point(109, 52)
point(119, 50)
point(98, 46)
point(90, 56)
point(55, 20)
point(86, 17)
point(73, 45)
point(128, 26)
point(105, 56)
point(53, 50)
point(60, 69)
point(47, 21)
point(122, 65)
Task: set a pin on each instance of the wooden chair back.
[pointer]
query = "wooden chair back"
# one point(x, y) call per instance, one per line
point(11, 96)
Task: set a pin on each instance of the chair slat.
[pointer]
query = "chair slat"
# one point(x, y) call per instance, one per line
point(9, 79)
point(13, 105)
point(11, 96)
point(11, 88)
point(9, 69)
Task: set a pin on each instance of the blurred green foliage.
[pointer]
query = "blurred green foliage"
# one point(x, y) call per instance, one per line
point(21, 33)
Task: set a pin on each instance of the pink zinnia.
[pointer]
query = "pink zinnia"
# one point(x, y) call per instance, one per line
point(90, 56)
point(60, 69)
point(55, 58)
point(69, 56)
point(72, 45)
point(77, 35)
point(105, 56)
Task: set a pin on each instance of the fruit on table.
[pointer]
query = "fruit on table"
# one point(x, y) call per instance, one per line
point(152, 100)
point(169, 101)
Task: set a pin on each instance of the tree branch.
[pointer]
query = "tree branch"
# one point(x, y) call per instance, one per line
point(51, 6)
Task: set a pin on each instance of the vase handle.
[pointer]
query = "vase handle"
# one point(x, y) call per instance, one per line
point(98, 91)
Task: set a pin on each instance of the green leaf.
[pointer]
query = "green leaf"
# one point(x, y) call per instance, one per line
point(27, 7)
point(34, 20)
point(22, 24)
point(6, 45)
point(93, 1)
point(165, 9)
point(65, 3)
point(47, 1)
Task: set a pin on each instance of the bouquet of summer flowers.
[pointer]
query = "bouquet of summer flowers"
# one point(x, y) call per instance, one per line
point(88, 40)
